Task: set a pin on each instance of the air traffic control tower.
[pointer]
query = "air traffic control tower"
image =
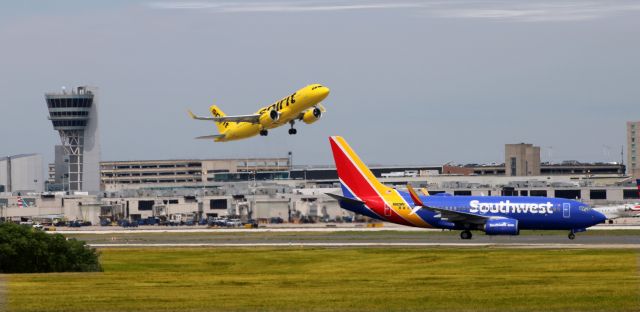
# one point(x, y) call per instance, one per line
point(75, 116)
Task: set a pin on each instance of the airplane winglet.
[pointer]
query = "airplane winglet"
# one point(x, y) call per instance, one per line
point(416, 199)
point(191, 114)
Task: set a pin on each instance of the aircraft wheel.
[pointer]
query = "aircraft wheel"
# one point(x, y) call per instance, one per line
point(572, 235)
point(293, 131)
point(466, 235)
point(264, 132)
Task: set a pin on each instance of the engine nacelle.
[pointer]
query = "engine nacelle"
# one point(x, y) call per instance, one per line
point(312, 115)
point(504, 226)
point(269, 117)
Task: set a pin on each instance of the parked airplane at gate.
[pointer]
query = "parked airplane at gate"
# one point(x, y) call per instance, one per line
point(621, 211)
point(303, 105)
point(494, 215)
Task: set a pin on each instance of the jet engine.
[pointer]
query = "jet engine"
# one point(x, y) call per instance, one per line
point(270, 117)
point(312, 115)
point(501, 226)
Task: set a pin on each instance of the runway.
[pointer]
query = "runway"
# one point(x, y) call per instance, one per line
point(389, 245)
point(362, 238)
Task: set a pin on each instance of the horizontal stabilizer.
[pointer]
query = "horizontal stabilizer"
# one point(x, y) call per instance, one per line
point(344, 199)
point(211, 137)
point(193, 116)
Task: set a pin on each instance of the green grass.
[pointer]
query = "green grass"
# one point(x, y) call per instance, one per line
point(347, 279)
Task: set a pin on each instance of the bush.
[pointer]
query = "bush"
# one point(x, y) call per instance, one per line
point(27, 250)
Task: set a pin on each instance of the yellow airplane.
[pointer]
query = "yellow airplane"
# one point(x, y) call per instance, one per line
point(303, 105)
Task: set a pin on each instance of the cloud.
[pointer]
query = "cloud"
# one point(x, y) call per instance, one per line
point(296, 6)
point(538, 12)
point(496, 10)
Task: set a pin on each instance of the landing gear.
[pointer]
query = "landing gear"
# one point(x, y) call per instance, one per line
point(264, 132)
point(572, 235)
point(292, 131)
point(466, 234)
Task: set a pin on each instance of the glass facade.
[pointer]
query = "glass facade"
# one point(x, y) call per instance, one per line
point(69, 102)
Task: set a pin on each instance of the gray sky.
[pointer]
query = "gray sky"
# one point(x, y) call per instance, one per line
point(413, 82)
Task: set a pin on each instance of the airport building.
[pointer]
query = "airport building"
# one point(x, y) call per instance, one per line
point(633, 152)
point(75, 116)
point(22, 173)
point(522, 159)
point(117, 175)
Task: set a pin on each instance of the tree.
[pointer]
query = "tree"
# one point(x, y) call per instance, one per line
point(27, 250)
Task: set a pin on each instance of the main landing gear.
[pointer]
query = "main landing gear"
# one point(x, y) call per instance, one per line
point(292, 131)
point(572, 235)
point(264, 132)
point(466, 234)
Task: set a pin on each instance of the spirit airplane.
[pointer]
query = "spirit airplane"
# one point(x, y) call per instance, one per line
point(303, 105)
point(362, 193)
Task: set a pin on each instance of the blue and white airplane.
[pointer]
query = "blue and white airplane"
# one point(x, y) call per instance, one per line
point(494, 215)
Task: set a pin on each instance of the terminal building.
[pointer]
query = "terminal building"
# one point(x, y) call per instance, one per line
point(118, 175)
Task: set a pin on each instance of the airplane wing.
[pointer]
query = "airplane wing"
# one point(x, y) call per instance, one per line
point(448, 214)
point(255, 118)
point(211, 137)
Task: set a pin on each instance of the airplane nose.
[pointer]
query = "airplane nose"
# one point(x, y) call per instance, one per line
point(598, 217)
point(323, 92)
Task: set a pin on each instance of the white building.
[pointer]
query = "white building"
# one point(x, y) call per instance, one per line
point(22, 173)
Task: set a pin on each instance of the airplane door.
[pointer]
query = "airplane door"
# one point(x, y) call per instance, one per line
point(566, 210)
point(387, 211)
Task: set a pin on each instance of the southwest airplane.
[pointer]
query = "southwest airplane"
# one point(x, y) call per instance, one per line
point(303, 105)
point(494, 215)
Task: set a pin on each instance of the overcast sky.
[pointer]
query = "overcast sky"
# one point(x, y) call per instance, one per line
point(412, 82)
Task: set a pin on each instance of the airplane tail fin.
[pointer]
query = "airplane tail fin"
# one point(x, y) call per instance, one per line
point(638, 186)
point(356, 179)
point(217, 112)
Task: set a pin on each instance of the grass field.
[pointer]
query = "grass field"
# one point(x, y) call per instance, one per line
point(346, 279)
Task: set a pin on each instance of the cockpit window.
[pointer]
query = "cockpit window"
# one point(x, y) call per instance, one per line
point(316, 87)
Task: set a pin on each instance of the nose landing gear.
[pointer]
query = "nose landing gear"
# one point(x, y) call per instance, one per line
point(572, 235)
point(292, 131)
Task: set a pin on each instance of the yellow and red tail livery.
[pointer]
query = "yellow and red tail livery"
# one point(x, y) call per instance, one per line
point(359, 183)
